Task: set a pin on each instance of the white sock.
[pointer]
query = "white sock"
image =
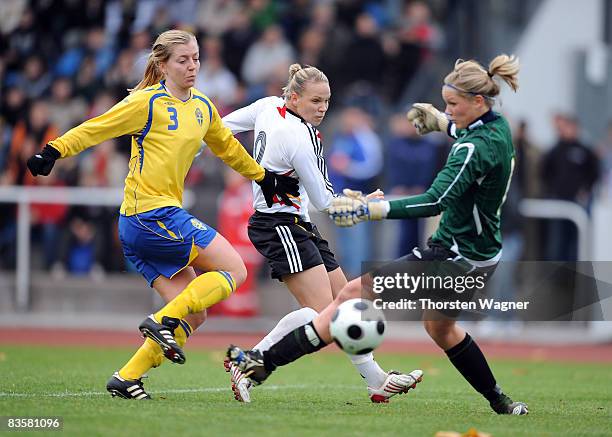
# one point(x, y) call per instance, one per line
point(293, 320)
point(369, 369)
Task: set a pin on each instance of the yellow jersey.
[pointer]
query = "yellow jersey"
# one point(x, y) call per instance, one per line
point(166, 135)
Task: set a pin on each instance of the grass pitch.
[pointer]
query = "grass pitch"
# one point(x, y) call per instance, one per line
point(318, 395)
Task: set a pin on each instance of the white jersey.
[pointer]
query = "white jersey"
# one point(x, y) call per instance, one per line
point(285, 144)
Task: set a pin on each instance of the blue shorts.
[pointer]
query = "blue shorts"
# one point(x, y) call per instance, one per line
point(162, 241)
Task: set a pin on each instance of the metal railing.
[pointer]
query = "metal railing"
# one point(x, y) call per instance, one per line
point(24, 196)
point(563, 210)
point(550, 209)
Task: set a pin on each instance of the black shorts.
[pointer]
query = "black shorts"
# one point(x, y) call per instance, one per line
point(290, 244)
point(436, 261)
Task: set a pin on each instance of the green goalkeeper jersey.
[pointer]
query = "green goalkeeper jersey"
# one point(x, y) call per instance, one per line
point(469, 191)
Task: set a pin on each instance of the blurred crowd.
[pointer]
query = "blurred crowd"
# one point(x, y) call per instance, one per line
point(65, 61)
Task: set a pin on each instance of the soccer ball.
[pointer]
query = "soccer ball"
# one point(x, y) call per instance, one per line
point(357, 327)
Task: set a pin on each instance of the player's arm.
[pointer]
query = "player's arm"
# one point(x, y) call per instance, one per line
point(223, 144)
point(127, 117)
point(311, 170)
point(460, 171)
point(243, 119)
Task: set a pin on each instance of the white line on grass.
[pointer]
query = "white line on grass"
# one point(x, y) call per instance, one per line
point(67, 394)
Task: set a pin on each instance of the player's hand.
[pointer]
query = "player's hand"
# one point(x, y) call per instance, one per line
point(353, 207)
point(377, 194)
point(43, 162)
point(426, 118)
point(282, 186)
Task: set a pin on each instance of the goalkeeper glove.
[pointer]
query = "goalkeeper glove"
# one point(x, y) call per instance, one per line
point(353, 207)
point(43, 162)
point(282, 186)
point(426, 118)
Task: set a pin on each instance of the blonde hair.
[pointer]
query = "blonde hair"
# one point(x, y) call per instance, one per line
point(161, 51)
point(298, 76)
point(471, 78)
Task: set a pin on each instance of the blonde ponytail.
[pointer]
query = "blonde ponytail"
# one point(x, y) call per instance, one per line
point(471, 78)
point(507, 68)
point(152, 74)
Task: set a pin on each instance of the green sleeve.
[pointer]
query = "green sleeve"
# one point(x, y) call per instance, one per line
point(421, 205)
point(461, 170)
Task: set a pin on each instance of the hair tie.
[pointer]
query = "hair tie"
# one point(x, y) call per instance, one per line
point(490, 74)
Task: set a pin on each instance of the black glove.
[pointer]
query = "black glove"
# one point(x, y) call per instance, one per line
point(282, 186)
point(42, 163)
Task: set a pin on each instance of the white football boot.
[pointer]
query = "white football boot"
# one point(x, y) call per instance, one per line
point(395, 383)
point(241, 385)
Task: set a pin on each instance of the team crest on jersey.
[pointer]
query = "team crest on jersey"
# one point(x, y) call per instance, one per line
point(198, 224)
point(199, 116)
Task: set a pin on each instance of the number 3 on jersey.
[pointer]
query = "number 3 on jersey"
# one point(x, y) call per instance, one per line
point(173, 119)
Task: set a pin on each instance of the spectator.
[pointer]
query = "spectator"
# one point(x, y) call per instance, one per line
point(5, 145)
point(140, 46)
point(216, 16)
point(35, 79)
point(267, 57)
point(525, 183)
point(22, 42)
point(214, 79)
point(86, 81)
point(14, 106)
point(103, 166)
point(81, 247)
point(417, 38)
point(569, 156)
point(65, 109)
point(263, 14)
point(527, 162)
point(145, 13)
point(11, 12)
point(164, 18)
point(121, 76)
point(355, 160)
point(604, 152)
point(31, 133)
point(94, 46)
point(337, 37)
point(295, 18)
point(417, 27)
point(310, 46)
point(236, 41)
point(364, 59)
point(101, 49)
point(412, 163)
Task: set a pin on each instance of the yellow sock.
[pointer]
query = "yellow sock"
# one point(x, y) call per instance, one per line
point(150, 355)
point(182, 333)
point(201, 293)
